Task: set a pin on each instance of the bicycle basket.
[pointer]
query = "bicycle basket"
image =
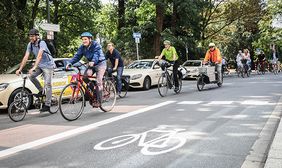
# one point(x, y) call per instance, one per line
point(203, 70)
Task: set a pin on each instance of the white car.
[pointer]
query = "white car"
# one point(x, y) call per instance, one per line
point(143, 73)
point(192, 66)
point(10, 83)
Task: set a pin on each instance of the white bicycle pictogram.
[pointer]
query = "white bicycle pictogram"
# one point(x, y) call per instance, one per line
point(167, 142)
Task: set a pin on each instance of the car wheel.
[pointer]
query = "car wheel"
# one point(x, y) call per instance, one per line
point(16, 95)
point(147, 83)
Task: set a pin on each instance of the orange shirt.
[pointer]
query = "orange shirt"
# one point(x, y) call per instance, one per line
point(213, 56)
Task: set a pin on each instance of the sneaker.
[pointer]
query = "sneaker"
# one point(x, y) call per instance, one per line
point(176, 89)
point(45, 108)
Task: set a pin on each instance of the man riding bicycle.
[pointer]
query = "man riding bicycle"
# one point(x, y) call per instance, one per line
point(92, 50)
point(171, 56)
point(117, 63)
point(44, 64)
point(261, 60)
point(213, 55)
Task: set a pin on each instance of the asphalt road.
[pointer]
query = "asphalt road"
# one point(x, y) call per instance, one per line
point(215, 128)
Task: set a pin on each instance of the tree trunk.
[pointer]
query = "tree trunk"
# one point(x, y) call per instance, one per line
point(121, 14)
point(160, 19)
point(34, 13)
point(174, 18)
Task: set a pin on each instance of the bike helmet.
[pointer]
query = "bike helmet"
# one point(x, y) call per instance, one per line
point(211, 45)
point(33, 32)
point(86, 34)
point(167, 42)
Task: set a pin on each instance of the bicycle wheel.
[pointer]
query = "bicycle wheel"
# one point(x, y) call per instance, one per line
point(163, 85)
point(54, 103)
point(116, 142)
point(200, 83)
point(124, 88)
point(17, 111)
point(162, 146)
point(71, 102)
point(108, 96)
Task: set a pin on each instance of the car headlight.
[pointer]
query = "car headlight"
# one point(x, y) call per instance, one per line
point(3, 86)
point(134, 77)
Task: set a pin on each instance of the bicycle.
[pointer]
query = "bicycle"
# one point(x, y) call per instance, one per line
point(73, 96)
point(18, 108)
point(245, 69)
point(166, 80)
point(168, 141)
point(208, 75)
point(125, 80)
point(275, 67)
point(260, 67)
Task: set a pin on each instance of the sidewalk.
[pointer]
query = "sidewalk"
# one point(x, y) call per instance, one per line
point(274, 158)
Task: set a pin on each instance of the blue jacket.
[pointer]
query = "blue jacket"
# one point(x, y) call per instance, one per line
point(93, 53)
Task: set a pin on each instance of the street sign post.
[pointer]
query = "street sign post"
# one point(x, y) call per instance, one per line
point(137, 37)
point(50, 27)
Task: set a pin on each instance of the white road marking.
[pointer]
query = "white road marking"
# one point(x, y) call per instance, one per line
point(220, 102)
point(76, 131)
point(190, 102)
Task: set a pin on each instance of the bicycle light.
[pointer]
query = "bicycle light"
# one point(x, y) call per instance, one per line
point(3, 86)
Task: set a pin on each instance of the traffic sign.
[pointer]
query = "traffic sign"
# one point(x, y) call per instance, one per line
point(137, 40)
point(50, 27)
point(137, 35)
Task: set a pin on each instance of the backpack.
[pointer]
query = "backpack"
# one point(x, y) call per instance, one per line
point(50, 47)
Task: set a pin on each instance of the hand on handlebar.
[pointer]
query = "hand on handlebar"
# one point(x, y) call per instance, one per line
point(91, 64)
point(68, 66)
point(18, 72)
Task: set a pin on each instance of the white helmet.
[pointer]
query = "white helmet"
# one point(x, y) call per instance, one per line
point(211, 45)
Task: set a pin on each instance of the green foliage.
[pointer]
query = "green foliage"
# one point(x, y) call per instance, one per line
point(189, 24)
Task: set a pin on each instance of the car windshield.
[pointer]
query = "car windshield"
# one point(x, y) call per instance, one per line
point(192, 63)
point(13, 69)
point(140, 65)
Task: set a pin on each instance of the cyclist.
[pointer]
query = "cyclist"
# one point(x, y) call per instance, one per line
point(117, 63)
point(238, 59)
point(92, 50)
point(213, 55)
point(261, 60)
point(44, 64)
point(274, 57)
point(247, 58)
point(225, 65)
point(171, 56)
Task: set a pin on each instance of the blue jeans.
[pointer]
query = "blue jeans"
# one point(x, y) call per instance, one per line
point(119, 75)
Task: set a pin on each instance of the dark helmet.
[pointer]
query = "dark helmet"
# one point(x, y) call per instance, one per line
point(86, 34)
point(33, 32)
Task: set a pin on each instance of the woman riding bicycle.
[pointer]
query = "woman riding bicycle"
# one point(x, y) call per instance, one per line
point(171, 56)
point(92, 50)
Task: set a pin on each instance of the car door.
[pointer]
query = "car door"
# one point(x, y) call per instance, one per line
point(156, 72)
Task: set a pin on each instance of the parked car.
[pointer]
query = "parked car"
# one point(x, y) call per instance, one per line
point(192, 66)
point(10, 83)
point(143, 73)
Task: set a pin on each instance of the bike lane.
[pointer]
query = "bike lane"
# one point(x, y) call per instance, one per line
point(218, 133)
point(214, 133)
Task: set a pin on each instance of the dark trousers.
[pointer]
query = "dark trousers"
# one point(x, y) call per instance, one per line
point(175, 73)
